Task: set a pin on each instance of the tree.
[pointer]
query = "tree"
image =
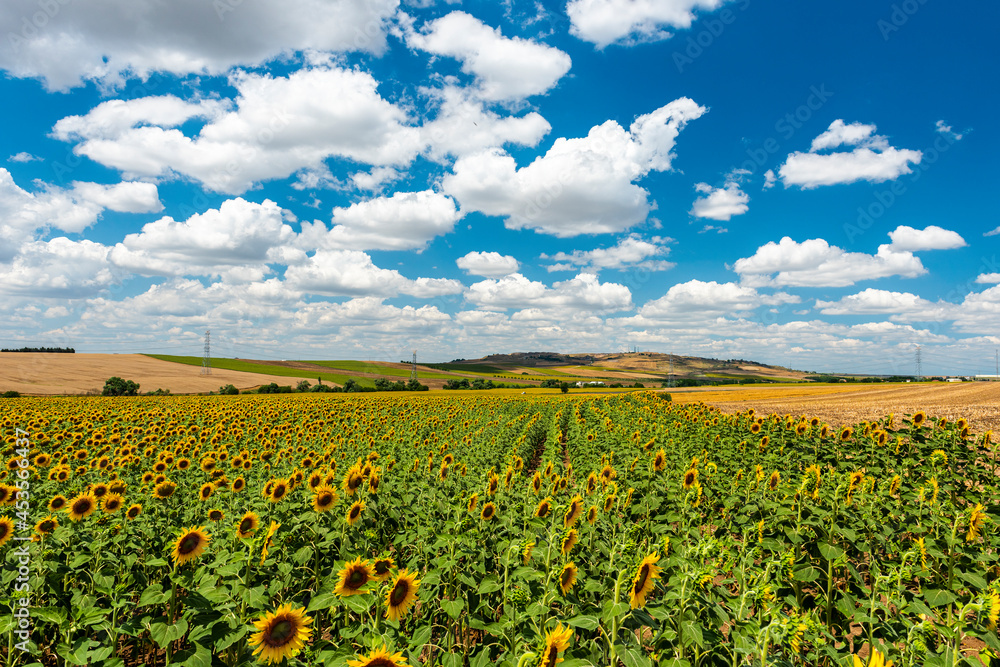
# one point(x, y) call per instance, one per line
point(115, 386)
point(352, 385)
point(564, 387)
point(303, 385)
point(229, 390)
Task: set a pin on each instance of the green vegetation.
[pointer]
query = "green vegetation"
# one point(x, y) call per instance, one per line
point(265, 369)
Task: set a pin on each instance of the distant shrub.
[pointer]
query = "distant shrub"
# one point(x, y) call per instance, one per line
point(228, 390)
point(274, 388)
point(115, 386)
point(11, 394)
point(303, 385)
point(158, 392)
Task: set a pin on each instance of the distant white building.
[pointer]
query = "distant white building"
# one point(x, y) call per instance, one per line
point(593, 383)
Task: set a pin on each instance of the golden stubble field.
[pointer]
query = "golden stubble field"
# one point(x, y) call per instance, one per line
point(978, 402)
point(48, 374)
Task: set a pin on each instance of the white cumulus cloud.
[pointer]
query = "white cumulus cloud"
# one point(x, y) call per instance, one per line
point(603, 22)
point(871, 158)
point(631, 251)
point(402, 221)
point(505, 68)
point(580, 186)
point(928, 238)
point(720, 203)
point(582, 293)
point(487, 264)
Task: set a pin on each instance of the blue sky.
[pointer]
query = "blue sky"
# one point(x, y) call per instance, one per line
point(800, 184)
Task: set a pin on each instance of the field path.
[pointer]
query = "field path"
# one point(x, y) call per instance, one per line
point(53, 374)
point(979, 402)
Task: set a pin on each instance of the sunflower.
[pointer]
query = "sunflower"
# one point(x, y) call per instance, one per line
point(846, 433)
point(569, 540)
point(354, 513)
point(876, 659)
point(206, 491)
point(354, 577)
point(642, 583)
point(46, 525)
point(544, 507)
point(609, 503)
point(536, 482)
point(592, 514)
point(773, 482)
point(374, 480)
point(6, 530)
point(6, 494)
point(279, 490)
point(976, 518)
point(489, 511)
point(112, 503)
point(239, 484)
point(567, 577)
point(82, 506)
point(919, 418)
point(164, 489)
point(994, 613)
point(382, 568)
point(324, 498)
point(281, 634)
point(493, 484)
point(556, 642)
point(248, 525)
point(190, 545)
point(267, 540)
point(133, 511)
point(659, 461)
point(573, 512)
point(526, 552)
point(401, 595)
point(315, 479)
point(353, 479)
point(216, 515)
point(380, 657)
point(690, 478)
point(183, 463)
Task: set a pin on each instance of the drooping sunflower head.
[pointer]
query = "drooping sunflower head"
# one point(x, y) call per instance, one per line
point(281, 634)
point(569, 541)
point(473, 499)
point(82, 506)
point(536, 482)
point(543, 508)
point(642, 583)
point(773, 482)
point(660, 461)
point(402, 594)
point(190, 545)
point(573, 512)
point(46, 526)
point(592, 514)
point(354, 577)
point(567, 577)
point(526, 550)
point(382, 568)
point(354, 513)
point(248, 525)
point(164, 489)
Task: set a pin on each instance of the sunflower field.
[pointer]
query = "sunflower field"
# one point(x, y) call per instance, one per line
point(466, 531)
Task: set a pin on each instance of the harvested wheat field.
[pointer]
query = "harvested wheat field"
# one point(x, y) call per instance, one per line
point(978, 402)
point(50, 374)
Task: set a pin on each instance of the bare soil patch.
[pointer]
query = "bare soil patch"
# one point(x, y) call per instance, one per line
point(978, 402)
point(44, 374)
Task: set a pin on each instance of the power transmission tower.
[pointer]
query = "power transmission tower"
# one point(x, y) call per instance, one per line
point(413, 370)
point(670, 376)
point(206, 361)
point(919, 369)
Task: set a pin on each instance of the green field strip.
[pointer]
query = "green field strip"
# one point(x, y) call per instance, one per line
point(263, 369)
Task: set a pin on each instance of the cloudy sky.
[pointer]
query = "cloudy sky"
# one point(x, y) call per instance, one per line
point(804, 184)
